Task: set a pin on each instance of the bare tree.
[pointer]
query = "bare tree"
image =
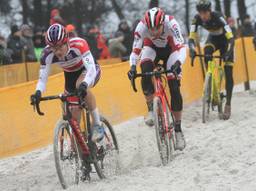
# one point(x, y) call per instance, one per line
point(117, 9)
point(217, 5)
point(24, 11)
point(241, 9)
point(153, 3)
point(38, 14)
point(187, 15)
point(227, 5)
point(5, 6)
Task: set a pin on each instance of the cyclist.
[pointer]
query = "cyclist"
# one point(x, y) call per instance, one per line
point(220, 38)
point(161, 39)
point(81, 72)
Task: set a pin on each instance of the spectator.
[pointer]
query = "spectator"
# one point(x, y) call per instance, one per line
point(15, 44)
point(116, 47)
point(128, 36)
point(26, 37)
point(231, 23)
point(5, 54)
point(71, 30)
point(247, 29)
point(91, 38)
point(39, 42)
point(56, 18)
point(101, 43)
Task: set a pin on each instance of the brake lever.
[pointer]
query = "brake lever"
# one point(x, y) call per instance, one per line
point(133, 84)
point(38, 109)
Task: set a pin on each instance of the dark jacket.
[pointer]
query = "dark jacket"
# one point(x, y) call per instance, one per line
point(16, 45)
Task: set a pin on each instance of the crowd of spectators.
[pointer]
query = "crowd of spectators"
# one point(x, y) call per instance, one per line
point(26, 43)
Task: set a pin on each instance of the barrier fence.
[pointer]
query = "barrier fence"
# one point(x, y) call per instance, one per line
point(22, 130)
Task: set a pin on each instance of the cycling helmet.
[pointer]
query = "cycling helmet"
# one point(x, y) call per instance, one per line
point(203, 5)
point(56, 35)
point(154, 17)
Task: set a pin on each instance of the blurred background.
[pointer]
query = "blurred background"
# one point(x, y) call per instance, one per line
point(107, 25)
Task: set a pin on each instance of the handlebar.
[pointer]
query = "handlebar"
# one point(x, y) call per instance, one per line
point(154, 73)
point(62, 97)
point(203, 56)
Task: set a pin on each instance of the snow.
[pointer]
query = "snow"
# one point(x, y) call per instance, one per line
point(220, 155)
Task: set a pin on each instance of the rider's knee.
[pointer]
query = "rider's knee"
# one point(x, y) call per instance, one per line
point(146, 81)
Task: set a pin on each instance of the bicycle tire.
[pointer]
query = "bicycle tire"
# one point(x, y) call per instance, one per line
point(161, 137)
point(95, 148)
point(109, 150)
point(62, 127)
point(206, 98)
point(172, 138)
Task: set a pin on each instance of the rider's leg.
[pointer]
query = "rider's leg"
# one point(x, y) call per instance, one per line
point(228, 68)
point(176, 97)
point(90, 100)
point(147, 65)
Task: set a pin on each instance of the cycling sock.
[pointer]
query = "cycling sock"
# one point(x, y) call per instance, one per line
point(178, 126)
point(229, 82)
point(95, 117)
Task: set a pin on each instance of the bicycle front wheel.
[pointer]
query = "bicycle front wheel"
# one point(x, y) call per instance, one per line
point(162, 137)
point(66, 155)
point(206, 100)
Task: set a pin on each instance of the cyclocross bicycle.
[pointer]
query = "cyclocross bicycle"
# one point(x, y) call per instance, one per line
point(74, 151)
point(163, 117)
point(212, 94)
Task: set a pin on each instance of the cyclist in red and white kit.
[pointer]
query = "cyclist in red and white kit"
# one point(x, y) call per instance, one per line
point(158, 37)
point(81, 71)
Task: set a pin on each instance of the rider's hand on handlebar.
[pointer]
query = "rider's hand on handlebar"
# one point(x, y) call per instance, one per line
point(35, 98)
point(132, 73)
point(176, 68)
point(82, 90)
point(192, 53)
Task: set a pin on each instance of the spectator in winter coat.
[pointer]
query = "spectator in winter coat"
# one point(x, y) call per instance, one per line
point(5, 54)
point(15, 44)
point(128, 36)
point(116, 47)
point(26, 36)
point(247, 29)
point(231, 23)
point(56, 18)
point(39, 41)
point(101, 42)
point(71, 30)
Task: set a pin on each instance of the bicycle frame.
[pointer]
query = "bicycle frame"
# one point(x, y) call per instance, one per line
point(215, 71)
point(67, 116)
point(211, 70)
point(160, 92)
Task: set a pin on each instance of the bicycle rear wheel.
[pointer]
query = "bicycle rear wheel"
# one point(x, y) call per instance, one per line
point(66, 155)
point(206, 100)
point(108, 150)
point(162, 137)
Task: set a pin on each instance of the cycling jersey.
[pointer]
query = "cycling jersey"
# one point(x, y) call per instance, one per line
point(78, 58)
point(171, 36)
point(217, 25)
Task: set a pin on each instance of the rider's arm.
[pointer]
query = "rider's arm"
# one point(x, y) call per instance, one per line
point(89, 64)
point(228, 33)
point(193, 32)
point(44, 72)
point(137, 43)
point(178, 42)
